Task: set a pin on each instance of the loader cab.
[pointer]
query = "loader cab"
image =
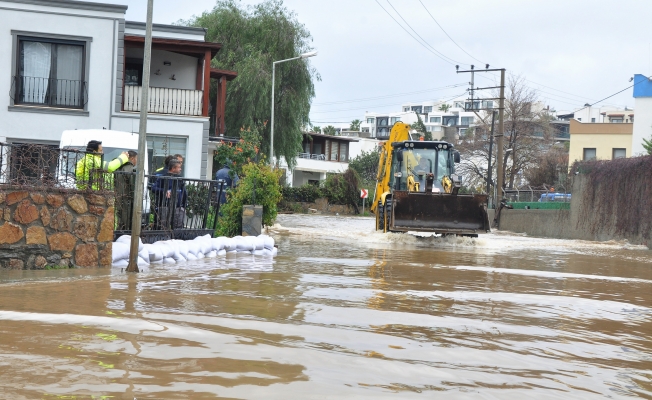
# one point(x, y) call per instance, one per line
point(418, 159)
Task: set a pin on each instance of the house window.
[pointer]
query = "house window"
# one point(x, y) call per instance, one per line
point(589, 154)
point(450, 120)
point(406, 109)
point(134, 72)
point(618, 153)
point(462, 131)
point(159, 147)
point(467, 121)
point(616, 120)
point(592, 119)
point(435, 120)
point(371, 120)
point(417, 109)
point(487, 104)
point(382, 121)
point(458, 104)
point(394, 120)
point(427, 109)
point(344, 150)
point(334, 151)
point(50, 72)
point(476, 105)
point(436, 128)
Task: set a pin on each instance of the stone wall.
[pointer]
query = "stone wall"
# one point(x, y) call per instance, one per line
point(55, 227)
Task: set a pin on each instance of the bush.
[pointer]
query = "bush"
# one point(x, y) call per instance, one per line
point(260, 183)
point(343, 188)
point(307, 193)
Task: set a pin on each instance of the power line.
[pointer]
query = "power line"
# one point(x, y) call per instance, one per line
point(608, 97)
point(449, 36)
point(399, 24)
point(383, 105)
point(391, 95)
point(416, 33)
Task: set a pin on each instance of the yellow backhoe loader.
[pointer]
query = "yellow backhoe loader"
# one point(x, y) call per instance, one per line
point(417, 189)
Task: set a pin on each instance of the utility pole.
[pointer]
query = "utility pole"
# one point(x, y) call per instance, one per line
point(142, 144)
point(491, 153)
point(501, 114)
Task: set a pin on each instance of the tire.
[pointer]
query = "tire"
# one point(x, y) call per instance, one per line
point(388, 214)
point(380, 217)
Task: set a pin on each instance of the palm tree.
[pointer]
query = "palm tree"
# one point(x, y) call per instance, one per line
point(355, 125)
point(329, 130)
point(444, 107)
point(316, 129)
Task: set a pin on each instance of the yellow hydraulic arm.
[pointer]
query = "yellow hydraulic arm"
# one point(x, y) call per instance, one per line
point(400, 132)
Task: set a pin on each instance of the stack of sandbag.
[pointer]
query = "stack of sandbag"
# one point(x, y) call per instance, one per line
point(120, 252)
point(176, 251)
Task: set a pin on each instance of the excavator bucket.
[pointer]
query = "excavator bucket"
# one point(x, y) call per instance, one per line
point(439, 212)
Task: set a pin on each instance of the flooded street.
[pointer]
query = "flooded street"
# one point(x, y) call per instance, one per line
point(342, 312)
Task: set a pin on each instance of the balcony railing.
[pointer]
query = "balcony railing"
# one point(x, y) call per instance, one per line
point(166, 100)
point(60, 93)
point(309, 156)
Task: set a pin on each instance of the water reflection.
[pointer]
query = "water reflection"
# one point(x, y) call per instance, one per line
point(341, 312)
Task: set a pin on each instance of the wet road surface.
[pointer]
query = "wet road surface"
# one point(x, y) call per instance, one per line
point(342, 312)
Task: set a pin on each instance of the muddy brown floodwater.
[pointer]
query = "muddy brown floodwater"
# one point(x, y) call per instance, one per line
point(342, 312)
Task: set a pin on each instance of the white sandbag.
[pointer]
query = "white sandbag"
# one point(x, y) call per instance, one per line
point(259, 243)
point(182, 248)
point(274, 251)
point(267, 252)
point(200, 255)
point(212, 254)
point(166, 248)
point(155, 252)
point(232, 252)
point(218, 243)
point(127, 239)
point(205, 243)
point(142, 262)
point(229, 244)
point(221, 253)
point(169, 260)
point(194, 247)
point(243, 244)
point(269, 241)
point(144, 254)
point(191, 257)
point(258, 252)
point(121, 263)
point(243, 252)
point(119, 251)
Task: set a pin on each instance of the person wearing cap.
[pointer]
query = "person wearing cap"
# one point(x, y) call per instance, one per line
point(88, 167)
point(125, 183)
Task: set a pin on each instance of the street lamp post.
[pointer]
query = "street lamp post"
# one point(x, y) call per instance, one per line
point(271, 140)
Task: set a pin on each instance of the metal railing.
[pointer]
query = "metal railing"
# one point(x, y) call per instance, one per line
point(536, 195)
point(61, 93)
point(166, 100)
point(309, 156)
point(41, 166)
point(173, 207)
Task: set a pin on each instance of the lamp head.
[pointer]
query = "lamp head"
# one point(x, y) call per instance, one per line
point(309, 54)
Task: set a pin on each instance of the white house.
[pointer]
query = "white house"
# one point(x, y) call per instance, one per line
point(78, 65)
point(454, 114)
point(643, 121)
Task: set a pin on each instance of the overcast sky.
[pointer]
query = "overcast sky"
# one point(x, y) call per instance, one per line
point(572, 52)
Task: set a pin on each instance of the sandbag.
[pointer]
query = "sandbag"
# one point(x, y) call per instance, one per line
point(200, 255)
point(269, 241)
point(205, 243)
point(194, 247)
point(212, 254)
point(169, 260)
point(243, 244)
point(258, 252)
point(155, 252)
point(221, 253)
point(121, 263)
point(274, 252)
point(119, 251)
point(127, 239)
point(267, 252)
point(182, 248)
point(218, 243)
point(229, 244)
point(191, 257)
point(142, 262)
point(259, 243)
point(144, 254)
point(167, 249)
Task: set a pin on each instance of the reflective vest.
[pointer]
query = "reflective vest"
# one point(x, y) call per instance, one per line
point(89, 169)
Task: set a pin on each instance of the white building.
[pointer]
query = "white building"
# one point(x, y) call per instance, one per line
point(78, 65)
point(643, 122)
point(436, 115)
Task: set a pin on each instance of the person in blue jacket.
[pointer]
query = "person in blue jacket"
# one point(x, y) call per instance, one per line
point(229, 177)
point(171, 197)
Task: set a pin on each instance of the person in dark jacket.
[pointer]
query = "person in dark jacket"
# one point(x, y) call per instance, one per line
point(125, 182)
point(171, 198)
point(229, 177)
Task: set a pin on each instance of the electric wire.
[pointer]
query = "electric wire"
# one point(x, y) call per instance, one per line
point(390, 96)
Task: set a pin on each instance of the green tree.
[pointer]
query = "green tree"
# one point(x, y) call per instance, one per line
point(355, 125)
point(330, 130)
point(240, 153)
point(420, 127)
point(253, 37)
point(444, 107)
point(647, 145)
point(366, 165)
point(316, 129)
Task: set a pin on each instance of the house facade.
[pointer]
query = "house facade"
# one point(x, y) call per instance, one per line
point(643, 121)
point(78, 65)
point(602, 141)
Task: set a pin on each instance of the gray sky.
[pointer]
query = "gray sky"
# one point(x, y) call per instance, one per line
point(582, 51)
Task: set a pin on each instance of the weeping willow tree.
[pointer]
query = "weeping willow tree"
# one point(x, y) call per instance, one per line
point(252, 38)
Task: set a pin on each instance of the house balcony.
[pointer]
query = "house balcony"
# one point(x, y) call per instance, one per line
point(165, 100)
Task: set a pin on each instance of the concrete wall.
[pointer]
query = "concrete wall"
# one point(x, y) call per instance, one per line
point(184, 69)
point(567, 224)
point(55, 227)
point(603, 137)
